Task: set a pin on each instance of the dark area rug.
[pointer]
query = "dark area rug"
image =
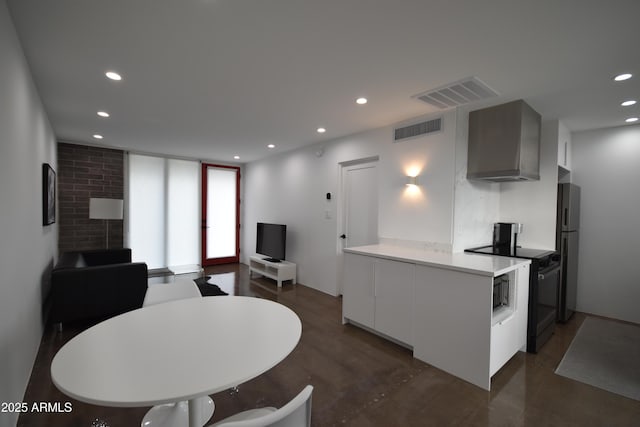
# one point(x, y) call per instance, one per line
point(208, 289)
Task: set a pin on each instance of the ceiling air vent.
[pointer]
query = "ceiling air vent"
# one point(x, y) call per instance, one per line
point(455, 94)
point(417, 129)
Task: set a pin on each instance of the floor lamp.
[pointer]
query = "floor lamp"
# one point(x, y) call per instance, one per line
point(106, 209)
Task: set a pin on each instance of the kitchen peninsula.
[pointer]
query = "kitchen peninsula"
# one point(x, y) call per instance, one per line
point(442, 305)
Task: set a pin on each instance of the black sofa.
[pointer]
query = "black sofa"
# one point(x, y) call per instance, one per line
point(96, 284)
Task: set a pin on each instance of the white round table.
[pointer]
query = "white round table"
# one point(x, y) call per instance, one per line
point(177, 351)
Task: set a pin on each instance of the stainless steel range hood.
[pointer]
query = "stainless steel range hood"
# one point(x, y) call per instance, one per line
point(504, 143)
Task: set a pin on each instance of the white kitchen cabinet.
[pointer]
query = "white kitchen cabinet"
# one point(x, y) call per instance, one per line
point(358, 300)
point(378, 293)
point(564, 153)
point(564, 146)
point(456, 309)
point(441, 305)
point(509, 332)
point(505, 341)
point(564, 159)
point(394, 286)
point(453, 322)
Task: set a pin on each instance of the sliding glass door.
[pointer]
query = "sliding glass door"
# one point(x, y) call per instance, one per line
point(163, 212)
point(220, 214)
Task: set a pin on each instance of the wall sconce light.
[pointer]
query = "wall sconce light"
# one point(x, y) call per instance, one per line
point(412, 180)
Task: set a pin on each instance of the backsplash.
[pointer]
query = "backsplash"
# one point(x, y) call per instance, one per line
point(414, 244)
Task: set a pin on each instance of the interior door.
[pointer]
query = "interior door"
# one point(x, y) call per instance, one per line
point(220, 214)
point(360, 191)
point(359, 209)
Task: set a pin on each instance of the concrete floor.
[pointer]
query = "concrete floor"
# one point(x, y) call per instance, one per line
point(363, 380)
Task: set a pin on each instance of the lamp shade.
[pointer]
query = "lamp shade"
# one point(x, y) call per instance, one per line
point(105, 208)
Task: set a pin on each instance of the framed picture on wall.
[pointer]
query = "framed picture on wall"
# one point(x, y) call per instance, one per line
point(48, 194)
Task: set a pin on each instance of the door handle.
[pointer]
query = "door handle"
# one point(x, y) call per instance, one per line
point(543, 274)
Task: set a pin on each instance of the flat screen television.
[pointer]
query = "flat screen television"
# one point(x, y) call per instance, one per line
point(271, 240)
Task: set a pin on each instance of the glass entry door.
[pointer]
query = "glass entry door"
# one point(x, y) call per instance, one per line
point(220, 214)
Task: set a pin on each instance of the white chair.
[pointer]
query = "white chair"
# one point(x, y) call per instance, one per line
point(174, 414)
point(165, 292)
point(296, 413)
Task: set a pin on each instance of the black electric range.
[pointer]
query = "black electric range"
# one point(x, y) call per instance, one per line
point(517, 252)
point(544, 281)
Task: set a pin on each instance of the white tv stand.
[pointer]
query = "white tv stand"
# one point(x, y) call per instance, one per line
point(278, 271)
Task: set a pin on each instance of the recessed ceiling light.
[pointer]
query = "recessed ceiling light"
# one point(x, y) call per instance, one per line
point(97, 136)
point(103, 114)
point(321, 130)
point(631, 119)
point(621, 77)
point(271, 146)
point(113, 75)
point(628, 103)
point(236, 157)
point(361, 101)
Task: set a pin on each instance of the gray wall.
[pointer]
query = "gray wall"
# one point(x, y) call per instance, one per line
point(449, 213)
point(27, 249)
point(290, 188)
point(606, 167)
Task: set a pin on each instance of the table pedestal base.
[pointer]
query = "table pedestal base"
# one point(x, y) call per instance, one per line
point(178, 414)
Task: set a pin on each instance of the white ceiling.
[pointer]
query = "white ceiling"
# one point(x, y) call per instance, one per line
point(212, 79)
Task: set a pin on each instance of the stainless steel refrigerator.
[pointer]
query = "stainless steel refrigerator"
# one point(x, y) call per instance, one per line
point(567, 233)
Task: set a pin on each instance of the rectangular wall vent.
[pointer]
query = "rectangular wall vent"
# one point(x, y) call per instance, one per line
point(455, 94)
point(417, 129)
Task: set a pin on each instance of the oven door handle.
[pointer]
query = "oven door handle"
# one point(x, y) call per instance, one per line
point(544, 273)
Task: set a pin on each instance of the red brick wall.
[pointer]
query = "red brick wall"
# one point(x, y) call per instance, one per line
point(85, 172)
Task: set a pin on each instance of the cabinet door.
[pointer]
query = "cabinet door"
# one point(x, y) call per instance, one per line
point(394, 286)
point(510, 335)
point(564, 153)
point(453, 322)
point(357, 296)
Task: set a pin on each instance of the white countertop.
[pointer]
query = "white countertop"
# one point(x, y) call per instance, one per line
point(484, 265)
